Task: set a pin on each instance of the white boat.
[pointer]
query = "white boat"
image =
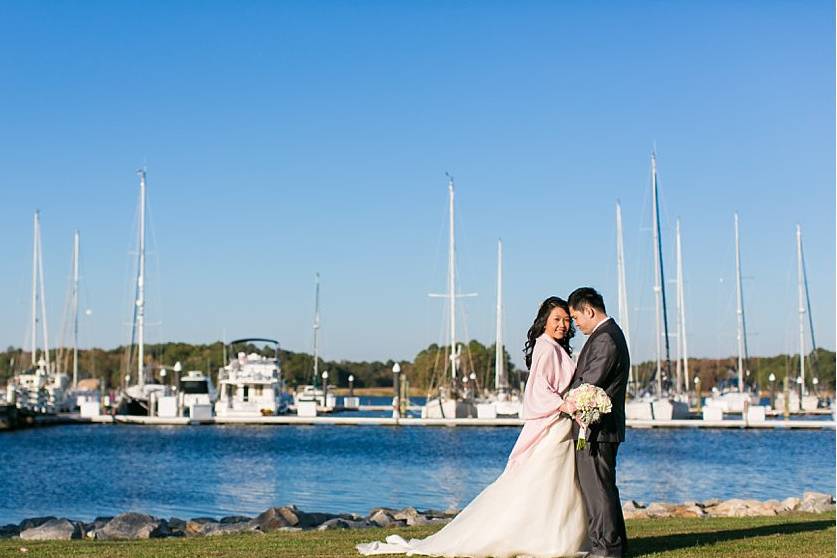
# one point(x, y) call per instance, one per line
point(196, 395)
point(309, 393)
point(139, 398)
point(451, 401)
point(665, 398)
point(39, 389)
point(251, 384)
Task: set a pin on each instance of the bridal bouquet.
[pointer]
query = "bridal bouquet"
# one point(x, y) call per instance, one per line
point(591, 402)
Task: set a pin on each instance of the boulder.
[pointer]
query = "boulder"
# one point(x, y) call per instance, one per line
point(235, 519)
point(198, 526)
point(132, 525)
point(816, 502)
point(633, 510)
point(658, 509)
point(177, 524)
point(53, 530)
point(711, 502)
point(383, 517)
point(213, 529)
point(34, 522)
point(687, 510)
point(9, 531)
point(412, 517)
point(276, 518)
point(340, 523)
point(791, 504)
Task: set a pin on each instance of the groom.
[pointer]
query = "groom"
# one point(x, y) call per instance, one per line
point(603, 362)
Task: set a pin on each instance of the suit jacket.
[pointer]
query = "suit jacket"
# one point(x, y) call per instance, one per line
point(604, 361)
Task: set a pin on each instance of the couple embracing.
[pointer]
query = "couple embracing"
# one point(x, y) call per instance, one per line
point(551, 500)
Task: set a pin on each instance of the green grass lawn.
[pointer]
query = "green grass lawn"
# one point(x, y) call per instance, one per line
point(796, 536)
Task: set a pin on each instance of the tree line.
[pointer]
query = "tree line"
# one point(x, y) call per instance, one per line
point(428, 368)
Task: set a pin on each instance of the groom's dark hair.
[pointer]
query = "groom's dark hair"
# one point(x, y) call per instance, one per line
point(586, 296)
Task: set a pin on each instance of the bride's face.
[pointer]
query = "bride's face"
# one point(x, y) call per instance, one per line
point(557, 324)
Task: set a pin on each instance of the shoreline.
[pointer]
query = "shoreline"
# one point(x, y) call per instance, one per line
point(135, 525)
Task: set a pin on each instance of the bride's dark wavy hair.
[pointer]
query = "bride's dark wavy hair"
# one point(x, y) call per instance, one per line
point(539, 326)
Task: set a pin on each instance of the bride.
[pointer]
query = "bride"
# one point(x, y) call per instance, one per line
point(534, 508)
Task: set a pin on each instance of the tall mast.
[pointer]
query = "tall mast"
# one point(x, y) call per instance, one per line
point(500, 380)
point(36, 227)
point(659, 287)
point(682, 346)
point(75, 308)
point(452, 281)
point(622, 290)
point(140, 302)
point(44, 327)
point(808, 302)
point(316, 327)
point(800, 286)
point(742, 323)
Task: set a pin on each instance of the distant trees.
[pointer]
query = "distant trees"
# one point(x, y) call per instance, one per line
point(428, 368)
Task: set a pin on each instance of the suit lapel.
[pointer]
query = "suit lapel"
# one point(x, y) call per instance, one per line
point(580, 363)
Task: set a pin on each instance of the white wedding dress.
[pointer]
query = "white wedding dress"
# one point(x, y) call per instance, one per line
point(534, 508)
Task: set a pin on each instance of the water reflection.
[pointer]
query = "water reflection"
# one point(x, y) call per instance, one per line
point(85, 471)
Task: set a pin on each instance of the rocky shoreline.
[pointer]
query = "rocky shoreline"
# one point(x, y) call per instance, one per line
point(132, 525)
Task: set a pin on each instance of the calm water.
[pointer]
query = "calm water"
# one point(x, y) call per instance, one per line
point(84, 471)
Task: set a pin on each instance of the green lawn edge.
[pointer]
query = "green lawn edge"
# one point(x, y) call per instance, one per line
point(793, 535)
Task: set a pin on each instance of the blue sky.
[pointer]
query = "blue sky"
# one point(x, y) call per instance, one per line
point(282, 139)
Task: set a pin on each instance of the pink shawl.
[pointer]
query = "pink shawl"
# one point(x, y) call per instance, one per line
point(550, 375)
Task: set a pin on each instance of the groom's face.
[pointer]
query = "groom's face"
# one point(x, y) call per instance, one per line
point(584, 319)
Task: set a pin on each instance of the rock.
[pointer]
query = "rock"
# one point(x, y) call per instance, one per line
point(340, 523)
point(235, 519)
point(177, 524)
point(383, 517)
point(34, 522)
point(633, 510)
point(412, 517)
point(198, 526)
point(791, 504)
point(276, 518)
point(213, 529)
point(737, 507)
point(9, 531)
point(132, 525)
point(711, 502)
point(658, 509)
point(816, 502)
point(691, 509)
point(311, 520)
point(53, 530)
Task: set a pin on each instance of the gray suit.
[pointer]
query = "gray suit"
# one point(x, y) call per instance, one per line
point(604, 361)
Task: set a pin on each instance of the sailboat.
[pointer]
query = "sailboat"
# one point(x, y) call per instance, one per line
point(310, 392)
point(138, 398)
point(78, 395)
point(733, 399)
point(502, 401)
point(451, 399)
point(659, 401)
point(799, 385)
point(39, 389)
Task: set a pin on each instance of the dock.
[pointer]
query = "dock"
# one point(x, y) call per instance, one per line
point(738, 424)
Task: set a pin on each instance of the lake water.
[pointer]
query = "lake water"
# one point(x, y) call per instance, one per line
point(82, 471)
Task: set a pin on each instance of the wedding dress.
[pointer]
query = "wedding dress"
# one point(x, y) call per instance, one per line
point(534, 508)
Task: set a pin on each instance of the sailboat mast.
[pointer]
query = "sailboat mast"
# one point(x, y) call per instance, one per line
point(75, 308)
point(36, 226)
point(622, 290)
point(316, 327)
point(682, 346)
point(452, 280)
point(500, 380)
point(659, 287)
point(140, 302)
point(739, 297)
point(800, 287)
point(42, 296)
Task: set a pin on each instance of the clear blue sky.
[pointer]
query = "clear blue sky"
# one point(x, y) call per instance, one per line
point(285, 138)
